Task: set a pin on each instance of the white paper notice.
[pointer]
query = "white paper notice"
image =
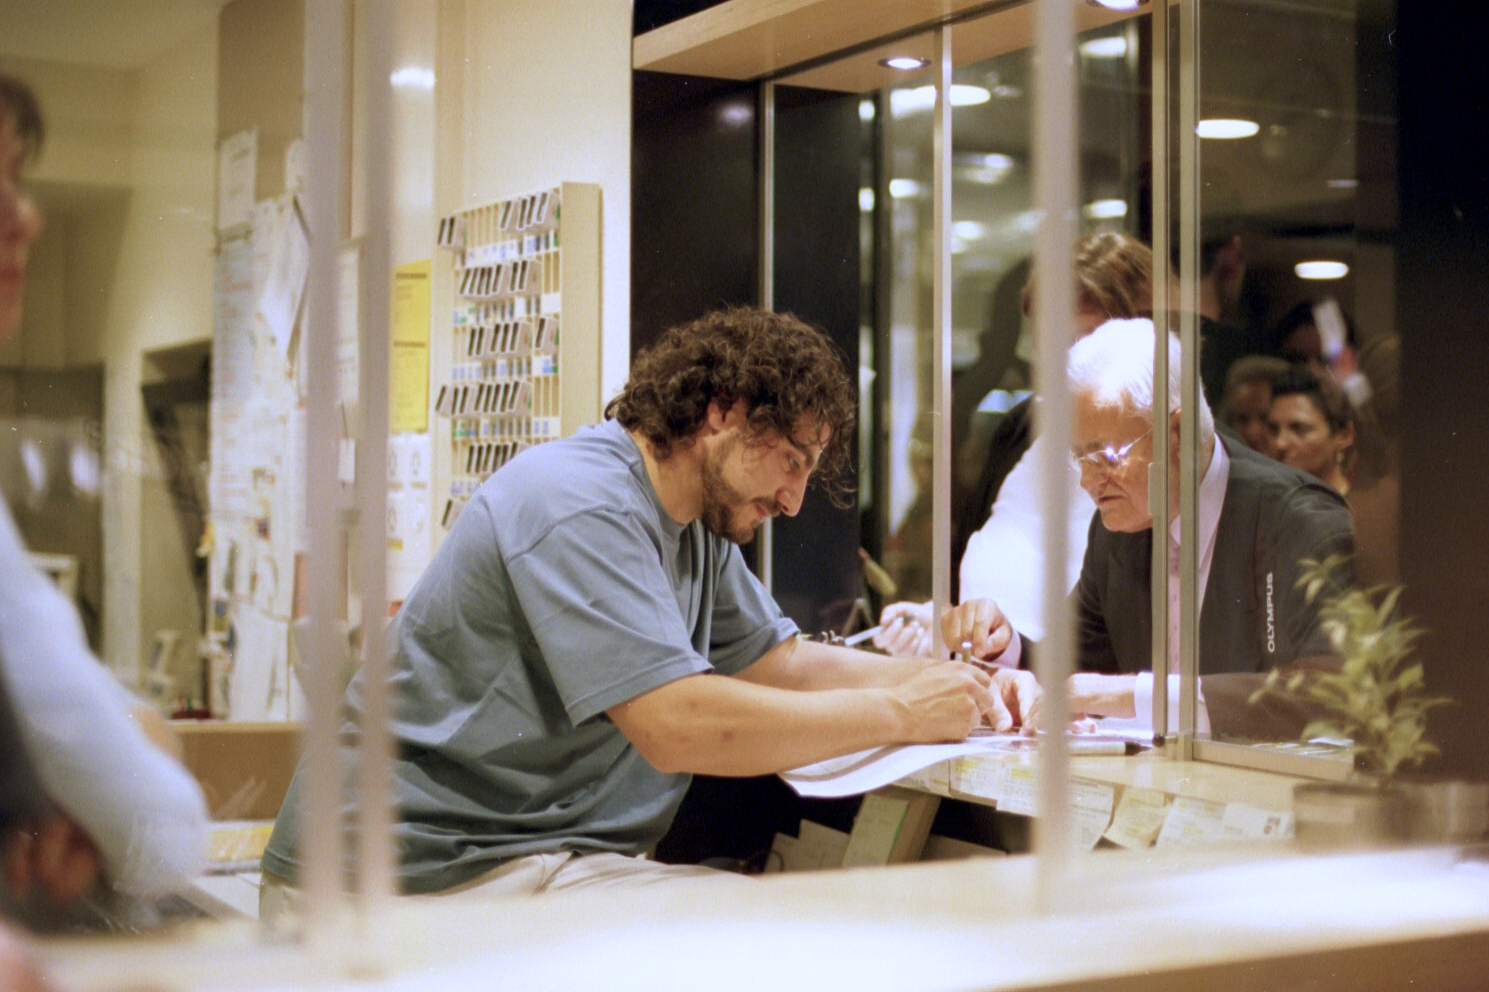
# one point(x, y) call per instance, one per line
point(1242, 822)
point(284, 286)
point(1020, 794)
point(1191, 821)
point(976, 775)
point(237, 165)
point(1091, 809)
point(1139, 817)
point(864, 771)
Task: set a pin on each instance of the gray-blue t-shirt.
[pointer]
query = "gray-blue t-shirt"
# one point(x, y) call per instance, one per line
point(564, 589)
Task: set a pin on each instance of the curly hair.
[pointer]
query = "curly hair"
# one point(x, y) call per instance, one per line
point(783, 369)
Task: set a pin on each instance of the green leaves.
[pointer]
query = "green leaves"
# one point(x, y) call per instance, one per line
point(1376, 700)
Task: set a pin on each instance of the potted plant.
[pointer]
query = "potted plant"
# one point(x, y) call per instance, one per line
point(1376, 703)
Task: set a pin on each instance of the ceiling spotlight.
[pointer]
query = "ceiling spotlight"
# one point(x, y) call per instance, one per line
point(1105, 209)
point(904, 62)
point(1118, 4)
point(1111, 47)
point(1226, 129)
point(1321, 270)
point(904, 101)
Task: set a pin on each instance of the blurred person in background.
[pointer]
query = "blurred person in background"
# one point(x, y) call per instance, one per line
point(119, 813)
point(1313, 426)
point(1003, 559)
point(1248, 399)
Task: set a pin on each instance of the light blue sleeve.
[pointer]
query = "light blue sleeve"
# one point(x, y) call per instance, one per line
point(141, 808)
point(747, 623)
point(602, 611)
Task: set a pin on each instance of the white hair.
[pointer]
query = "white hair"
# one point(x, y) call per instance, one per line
point(1114, 366)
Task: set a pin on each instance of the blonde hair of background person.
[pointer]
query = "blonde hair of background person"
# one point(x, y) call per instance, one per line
point(125, 813)
point(1003, 559)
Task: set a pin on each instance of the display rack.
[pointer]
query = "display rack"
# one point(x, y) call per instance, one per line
point(524, 339)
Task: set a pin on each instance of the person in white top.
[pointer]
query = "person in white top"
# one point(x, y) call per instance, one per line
point(1258, 522)
point(1003, 560)
point(120, 809)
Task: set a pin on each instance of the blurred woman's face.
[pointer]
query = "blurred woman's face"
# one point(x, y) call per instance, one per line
point(1246, 411)
point(20, 223)
point(1302, 438)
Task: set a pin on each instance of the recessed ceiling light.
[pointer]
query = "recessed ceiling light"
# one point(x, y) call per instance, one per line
point(924, 98)
point(1226, 128)
point(1105, 209)
point(1118, 4)
point(413, 76)
point(1342, 183)
point(904, 63)
point(1321, 270)
point(1111, 47)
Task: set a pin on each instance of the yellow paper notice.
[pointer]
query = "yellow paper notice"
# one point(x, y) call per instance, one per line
point(408, 362)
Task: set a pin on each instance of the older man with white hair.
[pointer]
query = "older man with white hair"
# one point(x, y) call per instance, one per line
point(1258, 521)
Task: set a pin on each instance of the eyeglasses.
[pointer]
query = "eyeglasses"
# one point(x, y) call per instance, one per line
point(1107, 459)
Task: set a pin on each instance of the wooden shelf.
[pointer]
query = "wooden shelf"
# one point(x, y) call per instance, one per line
point(753, 39)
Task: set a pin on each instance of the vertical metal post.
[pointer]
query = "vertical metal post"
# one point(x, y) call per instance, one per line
point(941, 340)
point(767, 255)
point(325, 100)
point(375, 847)
point(1189, 468)
point(1056, 181)
point(1158, 474)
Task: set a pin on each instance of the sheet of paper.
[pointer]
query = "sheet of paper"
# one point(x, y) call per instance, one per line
point(1242, 822)
point(1091, 810)
point(348, 371)
point(232, 379)
point(284, 281)
point(1020, 795)
point(976, 775)
point(1191, 821)
point(408, 396)
point(1139, 816)
point(864, 771)
point(933, 778)
point(237, 166)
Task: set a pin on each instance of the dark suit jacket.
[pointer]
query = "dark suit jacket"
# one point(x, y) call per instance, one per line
point(1254, 617)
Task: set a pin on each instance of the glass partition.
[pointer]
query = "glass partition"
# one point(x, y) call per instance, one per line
point(1289, 290)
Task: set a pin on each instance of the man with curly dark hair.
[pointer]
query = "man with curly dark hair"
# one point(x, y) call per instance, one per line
point(588, 636)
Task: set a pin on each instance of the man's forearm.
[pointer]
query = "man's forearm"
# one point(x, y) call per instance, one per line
point(1102, 695)
point(812, 666)
point(714, 725)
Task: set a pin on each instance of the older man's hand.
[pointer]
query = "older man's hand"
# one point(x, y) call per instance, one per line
point(978, 628)
point(1016, 697)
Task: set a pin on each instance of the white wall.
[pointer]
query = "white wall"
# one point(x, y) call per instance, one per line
point(544, 95)
point(160, 297)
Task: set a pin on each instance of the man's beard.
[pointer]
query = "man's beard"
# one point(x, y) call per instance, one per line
point(721, 503)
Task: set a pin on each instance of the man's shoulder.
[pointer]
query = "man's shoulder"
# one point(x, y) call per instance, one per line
point(1268, 479)
point(593, 469)
point(1283, 499)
